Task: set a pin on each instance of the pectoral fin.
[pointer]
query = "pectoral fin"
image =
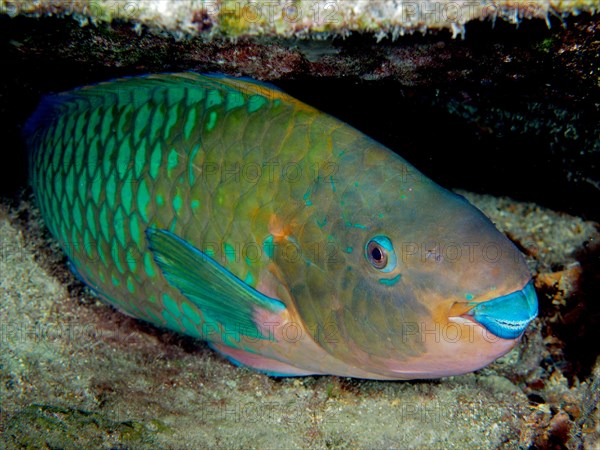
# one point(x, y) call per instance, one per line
point(219, 294)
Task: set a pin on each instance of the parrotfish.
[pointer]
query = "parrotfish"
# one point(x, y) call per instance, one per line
point(225, 209)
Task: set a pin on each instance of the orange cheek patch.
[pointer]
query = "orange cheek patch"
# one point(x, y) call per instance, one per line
point(459, 308)
point(278, 229)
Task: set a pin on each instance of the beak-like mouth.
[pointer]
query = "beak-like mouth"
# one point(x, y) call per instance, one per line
point(506, 316)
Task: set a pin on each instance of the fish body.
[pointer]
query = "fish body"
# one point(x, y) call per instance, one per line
point(226, 210)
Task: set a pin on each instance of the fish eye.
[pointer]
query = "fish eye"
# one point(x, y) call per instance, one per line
point(379, 251)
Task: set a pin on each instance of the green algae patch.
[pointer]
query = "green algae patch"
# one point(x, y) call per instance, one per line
point(48, 426)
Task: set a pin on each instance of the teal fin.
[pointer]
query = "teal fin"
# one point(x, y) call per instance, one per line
point(220, 295)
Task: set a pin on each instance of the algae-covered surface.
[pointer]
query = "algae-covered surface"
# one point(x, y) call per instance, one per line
point(78, 374)
point(298, 17)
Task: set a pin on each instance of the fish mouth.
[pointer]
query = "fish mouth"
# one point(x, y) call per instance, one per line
point(506, 317)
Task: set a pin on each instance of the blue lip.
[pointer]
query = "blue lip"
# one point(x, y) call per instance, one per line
point(508, 316)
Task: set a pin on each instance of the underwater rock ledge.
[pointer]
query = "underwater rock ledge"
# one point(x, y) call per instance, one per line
point(526, 92)
point(298, 18)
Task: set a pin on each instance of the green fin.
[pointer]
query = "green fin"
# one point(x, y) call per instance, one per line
point(219, 294)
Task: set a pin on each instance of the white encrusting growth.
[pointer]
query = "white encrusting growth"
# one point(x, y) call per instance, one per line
point(299, 18)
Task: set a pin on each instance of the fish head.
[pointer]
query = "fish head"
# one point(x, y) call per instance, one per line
point(423, 284)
